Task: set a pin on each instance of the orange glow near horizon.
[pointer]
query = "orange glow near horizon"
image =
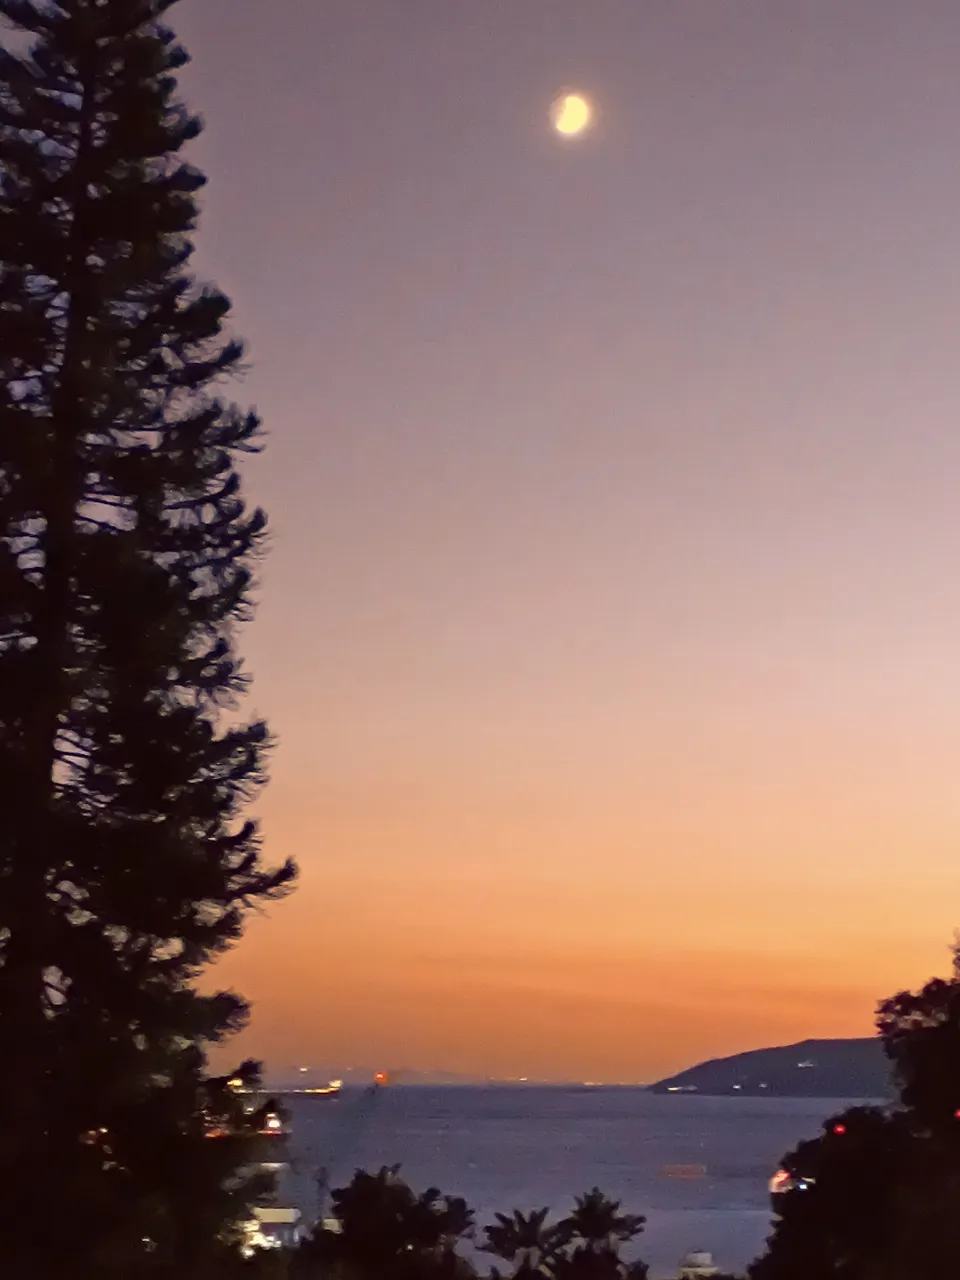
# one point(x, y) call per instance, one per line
point(536, 930)
point(530, 859)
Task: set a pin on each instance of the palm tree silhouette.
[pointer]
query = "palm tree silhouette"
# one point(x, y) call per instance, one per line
point(524, 1239)
point(598, 1222)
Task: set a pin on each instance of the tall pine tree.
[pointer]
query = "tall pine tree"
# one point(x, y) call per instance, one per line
point(126, 552)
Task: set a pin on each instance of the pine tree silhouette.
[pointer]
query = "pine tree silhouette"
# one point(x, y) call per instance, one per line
point(126, 553)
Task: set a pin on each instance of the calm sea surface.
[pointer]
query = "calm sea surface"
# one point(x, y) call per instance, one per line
point(504, 1148)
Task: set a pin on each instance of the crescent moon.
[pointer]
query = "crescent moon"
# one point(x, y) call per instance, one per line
point(571, 114)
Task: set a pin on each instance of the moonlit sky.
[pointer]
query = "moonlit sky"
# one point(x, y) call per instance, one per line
point(611, 629)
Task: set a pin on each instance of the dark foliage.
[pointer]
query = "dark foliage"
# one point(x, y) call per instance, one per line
point(585, 1245)
point(841, 1215)
point(382, 1230)
point(920, 1032)
point(877, 1195)
point(126, 552)
point(386, 1229)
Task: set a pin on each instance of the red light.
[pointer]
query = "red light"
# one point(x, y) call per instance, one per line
point(956, 1114)
point(840, 1129)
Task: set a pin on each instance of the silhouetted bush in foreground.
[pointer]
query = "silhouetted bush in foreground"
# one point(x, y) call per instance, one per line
point(877, 1195)
point(380, 1229)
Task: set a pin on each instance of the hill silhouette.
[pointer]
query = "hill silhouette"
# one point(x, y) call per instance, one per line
point(810, 1069)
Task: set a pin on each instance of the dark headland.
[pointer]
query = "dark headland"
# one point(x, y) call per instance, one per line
point(810, 1069)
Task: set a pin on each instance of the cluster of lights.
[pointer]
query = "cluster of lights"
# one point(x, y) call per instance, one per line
point(93, 1137)
point(272, 1128)
point(100, 1138)
point(784, 1180)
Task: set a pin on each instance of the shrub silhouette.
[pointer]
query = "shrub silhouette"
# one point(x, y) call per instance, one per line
point(881, 1194)
point(380, 1229)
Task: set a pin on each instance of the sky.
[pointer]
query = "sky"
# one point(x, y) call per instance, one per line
point(611, 625)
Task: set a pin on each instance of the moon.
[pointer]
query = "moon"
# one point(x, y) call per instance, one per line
point(571, 114)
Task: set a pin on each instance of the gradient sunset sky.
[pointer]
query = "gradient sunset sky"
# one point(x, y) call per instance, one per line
point(611, 629)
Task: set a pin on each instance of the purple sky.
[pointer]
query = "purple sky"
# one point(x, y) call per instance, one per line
point(613, 620)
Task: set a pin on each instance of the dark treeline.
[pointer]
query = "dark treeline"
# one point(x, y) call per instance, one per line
point(384, 1229)
point(127, 861)
point(380, 1229)
point(876, 1196)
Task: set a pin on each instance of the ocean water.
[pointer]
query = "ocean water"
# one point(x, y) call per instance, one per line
point(505, 1148)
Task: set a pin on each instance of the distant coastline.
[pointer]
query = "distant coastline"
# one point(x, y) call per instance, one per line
point(854, 1068)
point(808, 1069)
